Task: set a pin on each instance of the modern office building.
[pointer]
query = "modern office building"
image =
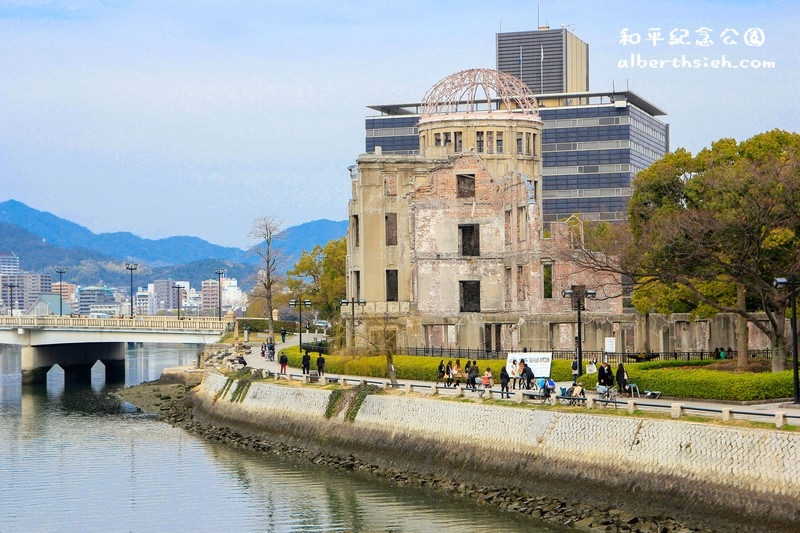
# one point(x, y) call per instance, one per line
point(92, 296)
point(210, 295)
point(546, 60)
point(9, 263)
point(593, 143)
point(166, 291)
point(25, 288)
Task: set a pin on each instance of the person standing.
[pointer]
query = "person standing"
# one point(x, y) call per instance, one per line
point(527, 373)
point(306, 362)
point(514, 374)
point(622, 379)
point(448, 374)
point(263, 349)
point(504, 379)
point(321, 365)
point(440, 372)
point(283, 361)
point(457, 373)
point(575, 369)
point(283, 334)
point(605, 376)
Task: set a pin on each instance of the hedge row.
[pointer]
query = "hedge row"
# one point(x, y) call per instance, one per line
point(685, 379)
point(689, 380)
point(414, 367)
point(263, 325)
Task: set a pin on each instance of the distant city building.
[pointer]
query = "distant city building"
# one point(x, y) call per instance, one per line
point(26, 288)
point(9, 263)
point(166, 294)
point(232, 295)
point(112, 310)
point(146, 303)
point(546, 60)
point(210, 291)
point(93, 296)
point(66, 290)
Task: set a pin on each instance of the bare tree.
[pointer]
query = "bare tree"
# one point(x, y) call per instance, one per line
point(382, 340)
point(266, 230)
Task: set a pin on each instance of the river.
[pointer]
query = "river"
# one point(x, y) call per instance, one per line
point(73, 458)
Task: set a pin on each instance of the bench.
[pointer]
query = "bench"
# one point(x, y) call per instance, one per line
point(313, 376)
point(571, 400)
point(544, 398)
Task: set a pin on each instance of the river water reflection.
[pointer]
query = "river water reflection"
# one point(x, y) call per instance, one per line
point(72, 458)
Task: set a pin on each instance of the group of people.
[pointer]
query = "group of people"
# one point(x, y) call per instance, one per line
point(268, 349)
point(451, 374)
point(305, 362)
point(521, 375)
point(605, 377)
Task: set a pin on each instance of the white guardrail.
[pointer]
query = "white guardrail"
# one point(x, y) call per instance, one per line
point(144, 323)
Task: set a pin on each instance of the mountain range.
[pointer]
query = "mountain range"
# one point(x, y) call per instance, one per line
point(43, 241)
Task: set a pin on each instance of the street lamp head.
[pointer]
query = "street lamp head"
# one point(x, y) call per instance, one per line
point(362, 302)
point(591, 293)
point(60, 270)
point(131, 266)
point(345, 302)
point(219, 271)
point(567, 292)
point(780, 283)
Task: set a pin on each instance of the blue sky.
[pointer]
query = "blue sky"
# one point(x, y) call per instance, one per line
point(195, 117)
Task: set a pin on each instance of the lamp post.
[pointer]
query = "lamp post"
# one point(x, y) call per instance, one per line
point(352, 303)
point(179, 288)
point(60, 271)
point(578, 295)
point(11, 287)
point(219, 272)
point(300, 304)
point(782, 283)
point(132, 267)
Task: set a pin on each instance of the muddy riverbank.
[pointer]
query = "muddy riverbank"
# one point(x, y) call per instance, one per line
point(581, 503)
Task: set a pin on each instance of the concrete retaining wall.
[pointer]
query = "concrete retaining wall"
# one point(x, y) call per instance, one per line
point(752, 470)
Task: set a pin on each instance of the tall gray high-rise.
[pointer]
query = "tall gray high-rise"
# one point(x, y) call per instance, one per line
point(547, 61)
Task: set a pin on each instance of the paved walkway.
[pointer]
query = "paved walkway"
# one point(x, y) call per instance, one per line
point(760, 412)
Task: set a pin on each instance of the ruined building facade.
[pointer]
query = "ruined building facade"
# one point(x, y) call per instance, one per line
point(446, 248)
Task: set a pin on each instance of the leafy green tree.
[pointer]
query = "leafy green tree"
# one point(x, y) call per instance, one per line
point(724, 222)
point(320, 275)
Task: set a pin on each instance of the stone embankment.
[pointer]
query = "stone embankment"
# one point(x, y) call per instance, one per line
point(595, 473)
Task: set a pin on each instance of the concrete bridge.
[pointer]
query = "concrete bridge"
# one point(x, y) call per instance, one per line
point(76, 344)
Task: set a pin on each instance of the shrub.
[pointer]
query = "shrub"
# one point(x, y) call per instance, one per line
point(416, 367)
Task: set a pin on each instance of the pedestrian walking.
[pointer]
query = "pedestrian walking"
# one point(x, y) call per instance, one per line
point(575, 369)
point(504, 379)
point(321, 365)
point(283, 335)
point(283, 361)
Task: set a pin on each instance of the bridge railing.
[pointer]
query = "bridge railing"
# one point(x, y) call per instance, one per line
point(143, 322)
